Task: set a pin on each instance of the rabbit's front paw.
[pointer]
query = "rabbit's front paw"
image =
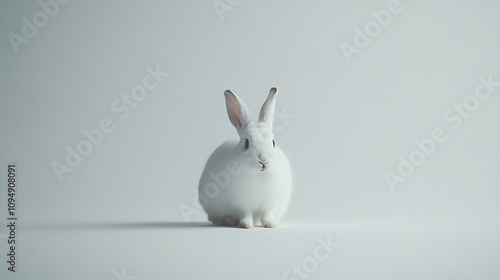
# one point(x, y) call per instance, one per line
point(246, 221)
point(269, 225)
point(268, 221)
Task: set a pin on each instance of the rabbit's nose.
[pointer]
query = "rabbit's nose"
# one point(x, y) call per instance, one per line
point(263, 159)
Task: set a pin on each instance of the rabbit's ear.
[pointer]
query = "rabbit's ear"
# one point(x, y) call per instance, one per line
point(267, 111)
point(237, 111)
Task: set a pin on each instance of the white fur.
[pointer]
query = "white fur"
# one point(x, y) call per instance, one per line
point(247, 186)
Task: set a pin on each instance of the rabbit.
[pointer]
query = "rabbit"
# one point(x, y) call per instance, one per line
point(248, 181)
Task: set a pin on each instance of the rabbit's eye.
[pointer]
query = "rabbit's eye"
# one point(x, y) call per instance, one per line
point(274, 144)
point(247, 144)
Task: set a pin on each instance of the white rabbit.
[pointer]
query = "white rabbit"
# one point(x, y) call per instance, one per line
point(247, 181)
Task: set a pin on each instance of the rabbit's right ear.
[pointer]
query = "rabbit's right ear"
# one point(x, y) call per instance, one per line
point(237, 110)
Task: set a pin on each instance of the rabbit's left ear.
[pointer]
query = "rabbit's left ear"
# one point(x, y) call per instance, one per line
point(267, 111)
point(236, 110)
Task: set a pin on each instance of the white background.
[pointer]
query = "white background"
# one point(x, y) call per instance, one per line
point(351, 122)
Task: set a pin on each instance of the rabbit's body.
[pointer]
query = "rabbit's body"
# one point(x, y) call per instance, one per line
point(246, 191)
point(247, 181)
